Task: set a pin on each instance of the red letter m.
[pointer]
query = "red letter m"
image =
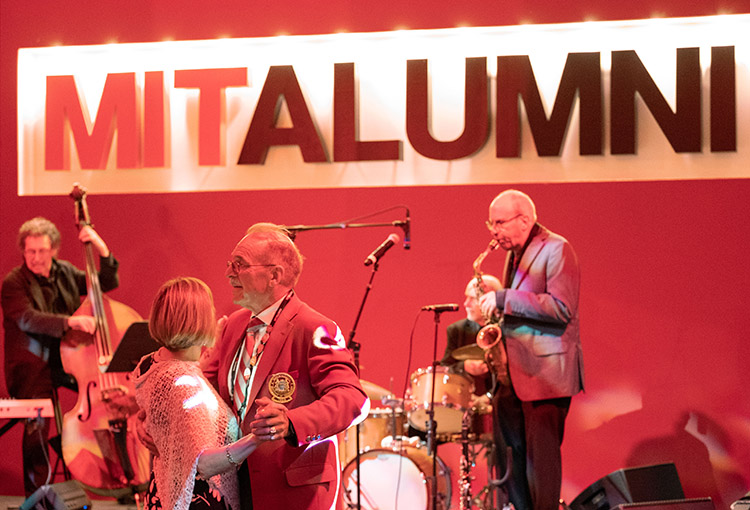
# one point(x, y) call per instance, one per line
point(117, 111)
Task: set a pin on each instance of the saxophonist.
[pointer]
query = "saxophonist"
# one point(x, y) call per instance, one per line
point(539, 308)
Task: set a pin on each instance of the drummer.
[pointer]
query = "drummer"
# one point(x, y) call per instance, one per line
point(464, 333)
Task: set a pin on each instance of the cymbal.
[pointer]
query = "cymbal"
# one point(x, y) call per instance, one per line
point(393, 402)
point(467, 352)
point(373, 391)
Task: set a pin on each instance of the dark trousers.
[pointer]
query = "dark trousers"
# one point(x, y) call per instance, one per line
point(246, 493)
point(534, 432)
point(35, 454)
point(34, 445)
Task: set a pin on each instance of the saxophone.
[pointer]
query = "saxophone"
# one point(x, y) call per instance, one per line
point(490, 337)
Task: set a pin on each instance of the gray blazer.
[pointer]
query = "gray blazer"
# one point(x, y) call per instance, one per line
point(540, 320)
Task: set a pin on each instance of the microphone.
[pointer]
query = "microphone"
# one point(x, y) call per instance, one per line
point(447, 307)
point(380, 250)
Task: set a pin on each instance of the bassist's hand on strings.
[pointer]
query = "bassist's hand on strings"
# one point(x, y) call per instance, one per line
point(89, 235)
point(85, 323)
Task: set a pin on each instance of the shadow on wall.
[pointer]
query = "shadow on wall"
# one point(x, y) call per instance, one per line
point(683, 438)
point(689, 454)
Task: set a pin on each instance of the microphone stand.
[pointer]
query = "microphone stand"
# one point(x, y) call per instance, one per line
point(431, 423)
point(355, 348)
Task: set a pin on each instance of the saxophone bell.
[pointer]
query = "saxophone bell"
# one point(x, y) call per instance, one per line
point(490, 339)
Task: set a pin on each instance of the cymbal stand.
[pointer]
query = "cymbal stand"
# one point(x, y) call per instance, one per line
point(495, 498)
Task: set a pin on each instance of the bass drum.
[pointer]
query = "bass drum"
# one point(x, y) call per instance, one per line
point(380, 424)
point(396, 479)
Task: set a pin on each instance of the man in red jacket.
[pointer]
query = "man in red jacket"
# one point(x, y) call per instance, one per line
point(288, 374)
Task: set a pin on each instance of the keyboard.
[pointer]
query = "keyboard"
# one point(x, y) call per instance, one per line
point(25, 408)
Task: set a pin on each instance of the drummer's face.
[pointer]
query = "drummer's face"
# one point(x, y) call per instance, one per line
point(471, 304)
point(38, 254)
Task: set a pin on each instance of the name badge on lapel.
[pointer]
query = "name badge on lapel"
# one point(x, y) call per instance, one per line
point(281, 386)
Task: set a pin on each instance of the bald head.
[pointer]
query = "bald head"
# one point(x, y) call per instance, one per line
point(512, 216)
point(472, 294)
point(490, 283)
point(517, 202)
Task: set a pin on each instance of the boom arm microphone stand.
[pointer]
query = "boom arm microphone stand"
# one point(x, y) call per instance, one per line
point(404, 225)
point(294, 229)
point(351, 344)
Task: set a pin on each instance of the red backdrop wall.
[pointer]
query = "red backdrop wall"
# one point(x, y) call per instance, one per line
point(663, 315)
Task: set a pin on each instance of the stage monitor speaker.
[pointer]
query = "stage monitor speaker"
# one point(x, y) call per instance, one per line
point(631, 485)
point(672, 504)
point(59, 496)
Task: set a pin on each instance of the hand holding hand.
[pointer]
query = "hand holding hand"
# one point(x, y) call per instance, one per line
point(270, 420)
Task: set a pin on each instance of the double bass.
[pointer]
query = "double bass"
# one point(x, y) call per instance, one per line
point(99, 444)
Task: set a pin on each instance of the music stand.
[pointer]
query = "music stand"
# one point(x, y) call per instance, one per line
point(135, 344)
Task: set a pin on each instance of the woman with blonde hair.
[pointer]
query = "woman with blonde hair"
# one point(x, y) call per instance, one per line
point(194, 431)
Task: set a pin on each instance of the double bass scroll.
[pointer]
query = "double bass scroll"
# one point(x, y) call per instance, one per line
point(99, 444)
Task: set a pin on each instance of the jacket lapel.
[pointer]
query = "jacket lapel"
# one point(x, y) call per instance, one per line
point(34, 289)
point(531, 253)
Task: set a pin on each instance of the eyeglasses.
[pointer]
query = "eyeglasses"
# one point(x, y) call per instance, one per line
point(239, 266)
point(43, 252)
point(494, 225)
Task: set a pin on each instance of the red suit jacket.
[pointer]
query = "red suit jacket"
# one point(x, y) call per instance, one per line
point(309, 350)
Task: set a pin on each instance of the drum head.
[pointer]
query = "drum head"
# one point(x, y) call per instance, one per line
point(392, 479)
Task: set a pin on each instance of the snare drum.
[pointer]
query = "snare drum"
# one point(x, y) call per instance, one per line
point(396, 479)
point(452, 398)
point(378, 425)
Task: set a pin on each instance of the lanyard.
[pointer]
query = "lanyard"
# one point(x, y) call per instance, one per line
point(238, 355)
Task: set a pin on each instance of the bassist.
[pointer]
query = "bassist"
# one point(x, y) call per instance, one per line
point(39, 298)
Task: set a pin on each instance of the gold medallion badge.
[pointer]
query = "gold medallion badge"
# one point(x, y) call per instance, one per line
point(281, 386)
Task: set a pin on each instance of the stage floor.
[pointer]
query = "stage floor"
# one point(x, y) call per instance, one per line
point(13, 502)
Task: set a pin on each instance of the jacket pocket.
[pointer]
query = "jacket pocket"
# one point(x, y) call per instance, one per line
point(316, 465)
point(545, 346)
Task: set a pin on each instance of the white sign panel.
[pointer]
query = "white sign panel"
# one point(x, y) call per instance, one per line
point(598, 101)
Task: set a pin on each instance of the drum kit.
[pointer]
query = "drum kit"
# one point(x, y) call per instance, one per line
point(396, 469)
